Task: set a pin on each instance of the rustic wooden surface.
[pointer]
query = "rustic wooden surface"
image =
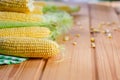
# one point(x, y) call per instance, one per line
point(107, 50)
point(81, 62)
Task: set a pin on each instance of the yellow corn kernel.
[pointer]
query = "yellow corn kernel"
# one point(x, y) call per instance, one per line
point(35, 32)
point(109, 35)
point(92, 39)
point(103, 31)
point(38, 10)
point(40, 3)
point(96, 30)
point(66, 38)
point(28, 47)
point(25, 6)
point(107, 31)
point(77, 35)
point(93, 45)
point(13, 16)
point(74, 43)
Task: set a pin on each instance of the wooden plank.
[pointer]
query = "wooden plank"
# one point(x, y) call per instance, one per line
point(119, 17)
point(107, 50)
point(103, 3)
point(116, 5)
point(28, 70)
point(78, 63)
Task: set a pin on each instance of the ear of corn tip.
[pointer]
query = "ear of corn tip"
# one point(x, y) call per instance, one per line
point(25, 6)
point(28, 47)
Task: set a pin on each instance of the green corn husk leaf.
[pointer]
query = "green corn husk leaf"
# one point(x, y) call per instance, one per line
point(62, 20)
point(13, 24)
point(58, 22)
point(50, 8)
point(66, 8)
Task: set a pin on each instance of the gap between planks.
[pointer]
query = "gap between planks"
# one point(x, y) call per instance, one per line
point(79, 63)
point(107, 50)
point(28, 70)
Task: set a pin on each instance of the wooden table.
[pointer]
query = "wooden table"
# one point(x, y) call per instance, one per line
point(81, 62)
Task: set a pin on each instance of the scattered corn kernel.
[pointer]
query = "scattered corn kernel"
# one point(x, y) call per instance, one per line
point(93, 45)
point(113, 22)
point(66, 38)
point(77, 35)
point(107, 31)
point(92, 39)
point(96, 30)
point(74, 43)
point(109, 35)
point(103, 32)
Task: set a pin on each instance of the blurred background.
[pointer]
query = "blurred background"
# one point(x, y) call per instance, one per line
point(81, 0)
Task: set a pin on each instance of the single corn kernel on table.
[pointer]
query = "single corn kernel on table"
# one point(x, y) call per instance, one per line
point(81, 61)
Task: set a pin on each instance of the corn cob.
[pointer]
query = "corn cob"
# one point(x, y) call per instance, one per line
point(17, 5)
point(13, 16)
point(38, 10)
point(68, 8)
point(16, 1)
point(40, 3)
point(28, 47)
point(35, 32)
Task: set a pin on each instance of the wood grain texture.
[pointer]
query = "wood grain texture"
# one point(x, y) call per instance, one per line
point(79, 64)
point(102, 3)
point(107, 50)
point(28, 70)
point(116, 6)
point(119, 16)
